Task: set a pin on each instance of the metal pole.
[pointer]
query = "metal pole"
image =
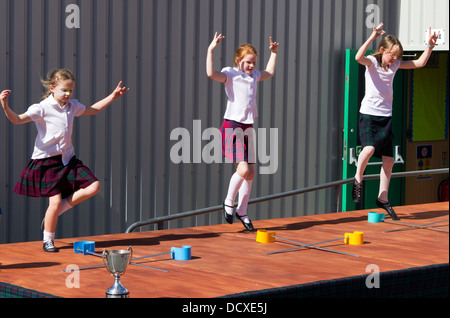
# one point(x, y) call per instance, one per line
point(422, 226)
point(311, 246)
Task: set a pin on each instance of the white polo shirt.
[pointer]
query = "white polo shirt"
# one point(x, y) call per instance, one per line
point(54, 128)
point(379, 89)
point(241, 91)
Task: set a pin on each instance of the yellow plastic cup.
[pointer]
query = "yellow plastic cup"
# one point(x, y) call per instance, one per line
point(262, 236)
point(355, 238)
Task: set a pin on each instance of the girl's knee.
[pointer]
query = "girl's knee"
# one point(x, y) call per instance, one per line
point(369, 150)
point(95, 187)
point(55, 204)
point(388, 161)
point(246, 171)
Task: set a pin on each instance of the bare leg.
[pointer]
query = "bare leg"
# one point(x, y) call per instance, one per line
point(51, 215)
point(385, 177)
point(363, 160)
point(83, 194)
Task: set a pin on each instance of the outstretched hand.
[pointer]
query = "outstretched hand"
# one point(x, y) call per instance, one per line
point(119, 91)
point(4, 97)
point(273, 46)
point(216, 41)
point(378, 31)
point(433, 38)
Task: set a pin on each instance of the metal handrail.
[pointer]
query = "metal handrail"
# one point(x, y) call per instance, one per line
point(160, 220)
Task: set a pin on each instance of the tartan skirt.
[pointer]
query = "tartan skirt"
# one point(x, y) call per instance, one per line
point(376, 131)
point(238, 141)
point(49, 177)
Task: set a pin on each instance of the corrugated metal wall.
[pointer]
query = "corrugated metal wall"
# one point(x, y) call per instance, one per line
point(158, 48)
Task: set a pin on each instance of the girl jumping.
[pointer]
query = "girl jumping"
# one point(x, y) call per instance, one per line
point(240, 86)
point(53, 170)
point(375, 118)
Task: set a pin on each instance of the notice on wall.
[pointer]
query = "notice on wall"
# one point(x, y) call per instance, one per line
point(424, 157)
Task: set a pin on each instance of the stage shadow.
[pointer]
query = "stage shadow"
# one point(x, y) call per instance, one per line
point(425, 215)
point(29, 265)
point(307, 224)
point(147, 241)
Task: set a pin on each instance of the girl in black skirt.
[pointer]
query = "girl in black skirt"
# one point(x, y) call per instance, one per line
point(375, 123)
point(53, 170)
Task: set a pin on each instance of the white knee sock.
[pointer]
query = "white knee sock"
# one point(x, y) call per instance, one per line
point(235, 184)
point(64, 207)
point(244, 196)
point(48, 236)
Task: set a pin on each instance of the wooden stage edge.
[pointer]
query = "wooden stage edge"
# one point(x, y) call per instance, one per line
point(227, 260)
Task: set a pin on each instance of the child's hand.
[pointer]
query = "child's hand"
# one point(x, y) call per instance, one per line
point(273, 46)
point(433, 38)
point(215, 41)
point(119, 91)
point(377, 31)
point(4, 97)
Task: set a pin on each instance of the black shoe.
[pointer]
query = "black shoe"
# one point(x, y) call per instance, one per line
point(388, 208)
point(50, 247)
point(356, 193)
point(228, 217)
point(248, 226)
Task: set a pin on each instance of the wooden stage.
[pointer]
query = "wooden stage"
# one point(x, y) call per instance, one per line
point(226, 260)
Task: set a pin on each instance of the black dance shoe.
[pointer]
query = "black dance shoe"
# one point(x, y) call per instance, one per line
point(50, 247)
point(388, 208)
point(228, 217)
point(248, 226)
point(356, 193)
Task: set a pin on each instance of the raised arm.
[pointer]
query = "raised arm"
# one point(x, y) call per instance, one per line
point(101, 105)
point(210, 71)
point(423, 59)
point(360, 55)
point(10, 114)
point(271, 65)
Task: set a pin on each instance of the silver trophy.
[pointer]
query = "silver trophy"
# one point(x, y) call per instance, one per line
point(116, 263)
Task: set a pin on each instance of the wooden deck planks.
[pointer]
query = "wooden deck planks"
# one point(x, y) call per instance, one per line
point(226, 260)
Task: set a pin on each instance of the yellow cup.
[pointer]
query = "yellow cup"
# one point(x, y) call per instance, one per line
point(355, 238)
point(262, 236)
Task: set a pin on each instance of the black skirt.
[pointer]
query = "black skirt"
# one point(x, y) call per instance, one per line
point(376, 131)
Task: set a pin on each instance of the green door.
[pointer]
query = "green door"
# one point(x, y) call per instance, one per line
point(354, 93)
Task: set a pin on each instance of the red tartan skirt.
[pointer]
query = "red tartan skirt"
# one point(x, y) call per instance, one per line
point(49, 177)
point(238, 141)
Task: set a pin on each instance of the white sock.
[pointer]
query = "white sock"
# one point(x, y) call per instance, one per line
point(235, 184)
point(64, 207)
point(48, 236)
point(244, 196)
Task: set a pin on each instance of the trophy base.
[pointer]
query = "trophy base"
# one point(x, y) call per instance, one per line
point(118, 295)
point(117, 290)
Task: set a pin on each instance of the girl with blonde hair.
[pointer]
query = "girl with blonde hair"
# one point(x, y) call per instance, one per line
point(54, 171)
point(375, 118)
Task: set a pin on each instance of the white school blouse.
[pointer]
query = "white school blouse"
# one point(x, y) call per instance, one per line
point(54, 126)
point(379, 89)
point(241, 91)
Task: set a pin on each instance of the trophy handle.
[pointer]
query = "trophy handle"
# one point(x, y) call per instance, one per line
point(104, 260)
point(131, 254)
